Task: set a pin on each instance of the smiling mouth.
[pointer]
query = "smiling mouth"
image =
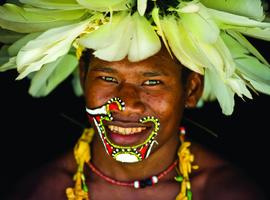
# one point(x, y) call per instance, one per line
point(127, 136)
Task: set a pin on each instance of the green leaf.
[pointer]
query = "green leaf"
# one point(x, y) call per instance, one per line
point(52, 4)
point(14, 49)
point(8, 37)
point(76, 83)
point(48, 47)
point(248, 8)
point(27, 20)
point(106, 5)
point(4, 56)
point(51, 75)
point(11, 64)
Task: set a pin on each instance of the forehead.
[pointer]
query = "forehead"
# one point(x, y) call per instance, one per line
point(159, 64)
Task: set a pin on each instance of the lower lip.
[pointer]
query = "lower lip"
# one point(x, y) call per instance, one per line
point(128, 140)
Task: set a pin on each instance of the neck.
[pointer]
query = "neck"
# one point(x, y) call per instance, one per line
point(159, 160)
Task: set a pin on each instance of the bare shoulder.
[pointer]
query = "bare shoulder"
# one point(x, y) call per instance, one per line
point(219, 179)
point(47, 182)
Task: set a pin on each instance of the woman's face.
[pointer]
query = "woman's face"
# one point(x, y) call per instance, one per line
point(152, 87)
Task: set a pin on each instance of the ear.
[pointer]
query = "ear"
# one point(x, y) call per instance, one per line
point(194, 89)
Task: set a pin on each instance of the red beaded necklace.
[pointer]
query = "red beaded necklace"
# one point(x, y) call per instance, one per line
point(137, 183)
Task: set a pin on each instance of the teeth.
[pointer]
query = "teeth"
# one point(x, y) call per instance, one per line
point(126, 131)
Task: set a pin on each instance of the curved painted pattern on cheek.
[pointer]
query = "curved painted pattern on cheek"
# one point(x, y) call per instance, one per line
point(122, 153)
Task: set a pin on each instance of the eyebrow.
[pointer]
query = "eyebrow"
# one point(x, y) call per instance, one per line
point(104, 69)
point(154, 73)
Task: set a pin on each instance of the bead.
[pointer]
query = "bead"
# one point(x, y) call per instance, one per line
point(136, 184)
point(154, 179)
point(182, 130)
point(146, 182)
point(179, 178)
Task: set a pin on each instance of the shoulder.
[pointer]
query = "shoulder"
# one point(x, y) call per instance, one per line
point(229, 182)
point(47, 182)
point(219, 179)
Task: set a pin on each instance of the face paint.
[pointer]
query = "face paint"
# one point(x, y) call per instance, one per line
point(127, 154)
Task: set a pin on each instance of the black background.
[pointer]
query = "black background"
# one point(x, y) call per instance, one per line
point(34, 131)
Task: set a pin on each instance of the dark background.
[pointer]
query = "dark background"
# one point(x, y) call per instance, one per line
point(34, 131)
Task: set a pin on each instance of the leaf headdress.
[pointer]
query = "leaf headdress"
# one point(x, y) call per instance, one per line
point(44, 38)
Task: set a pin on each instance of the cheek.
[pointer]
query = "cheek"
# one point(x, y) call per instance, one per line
point(165, 105)
point(95, 95)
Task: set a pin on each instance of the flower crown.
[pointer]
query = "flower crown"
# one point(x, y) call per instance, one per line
point(45, 38)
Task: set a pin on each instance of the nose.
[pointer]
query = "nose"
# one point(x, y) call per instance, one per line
point(131, 95)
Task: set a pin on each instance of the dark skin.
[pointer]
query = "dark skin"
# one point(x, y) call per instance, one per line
point(165, 97)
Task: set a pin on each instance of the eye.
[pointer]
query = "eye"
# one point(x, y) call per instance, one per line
point(152, 82)
point(109, 79)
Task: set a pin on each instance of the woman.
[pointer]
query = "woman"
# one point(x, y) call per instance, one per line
point(136, 91)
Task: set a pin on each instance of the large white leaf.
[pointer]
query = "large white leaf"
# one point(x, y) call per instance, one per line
point(221, 90)
point(46, 48)
point(259, 33)
point(261, 87)
point(252, 68)
point(208, 94)
point(224, 18)
point(112, 40)
point(247, 45)
point(181, 45)
point(228, 65)
point(51, 75)
point(53, 4)
point(239, 87)
point(249, 8)
point(27, 20)
point(102, 36)
point(145, 41)
point(106, 5)
point(200, 24)
point(247, 64)
point(159, 30)
point(141, 6)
